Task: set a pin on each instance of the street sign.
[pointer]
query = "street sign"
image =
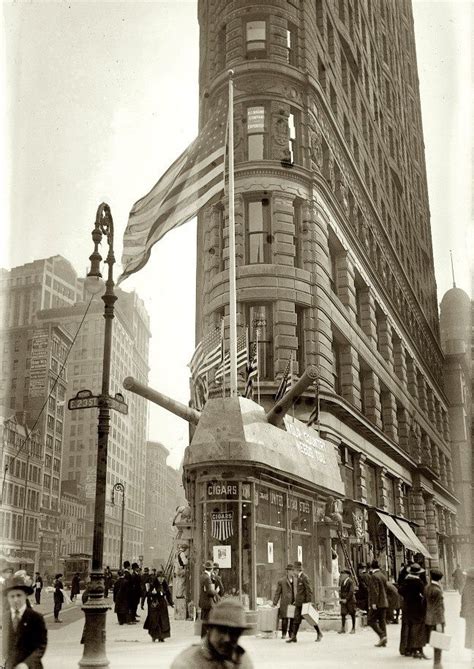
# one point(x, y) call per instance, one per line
point(84, 399)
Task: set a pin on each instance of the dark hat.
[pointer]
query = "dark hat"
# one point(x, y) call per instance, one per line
point(345, 571)
point(160, 572)
point(436, 574)
point(135, 565)
point(216, 565)
point(18, 583)
point(289, 566)
point(58, 576)
point(228, 612)
point(298, 564)
point(415, 569)
point(375, 564)
point(208, 565)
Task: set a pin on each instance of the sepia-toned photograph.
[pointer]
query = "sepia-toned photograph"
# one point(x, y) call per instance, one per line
point(236, 334)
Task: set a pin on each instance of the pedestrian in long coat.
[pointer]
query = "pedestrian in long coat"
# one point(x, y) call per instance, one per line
point(75, 586)
point(394, 603)
point(303, 595)
point(158, 597)
point(58, 597)
point(362, 594)
point(458, 579)
point(285, 594)
point(347, 600)
point(207, 593)
point(378, 603)
point(434, 619)
point(467, 608)
point(413, 633)
point(121, 598)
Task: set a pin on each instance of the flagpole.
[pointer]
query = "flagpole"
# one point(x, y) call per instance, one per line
point(257, 359)
point(291, 383)
point(223, 358)
point(232, 279)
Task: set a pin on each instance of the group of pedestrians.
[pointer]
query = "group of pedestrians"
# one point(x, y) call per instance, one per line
point(211, 591)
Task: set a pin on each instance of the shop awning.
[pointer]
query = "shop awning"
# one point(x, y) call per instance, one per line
point(420, 548)
point(398, 531)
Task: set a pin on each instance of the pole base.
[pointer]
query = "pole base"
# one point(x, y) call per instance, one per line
point(93, 636)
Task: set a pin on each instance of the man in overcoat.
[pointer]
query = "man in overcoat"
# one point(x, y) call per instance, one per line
point(378, 603)
point(285, 594)
point(434, 619)
point(26, 635)
point(38, 586)
point(135, 591)
point(207, 593)
point(347, 600)
point(303, 595)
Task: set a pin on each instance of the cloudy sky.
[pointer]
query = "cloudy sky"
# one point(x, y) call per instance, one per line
point(102, 96)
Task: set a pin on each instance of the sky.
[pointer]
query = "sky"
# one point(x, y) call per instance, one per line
point(101, 97)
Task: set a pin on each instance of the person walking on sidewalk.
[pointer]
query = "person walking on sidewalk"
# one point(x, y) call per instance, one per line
point(362, 594)
point(219, 648)
point(38, 586)
point(217, 581)
point(135, 591)
point(347, 600)
point(378, 603)
point(207, 593)
point(413, 632)
point(121, 598)
point(434, 619)
point(303, 595)
point(285, 594)
point(75, 586)
point(458, 579)
point(467, 609)
point(158, 597)
point(26, 635)
point(58, 597)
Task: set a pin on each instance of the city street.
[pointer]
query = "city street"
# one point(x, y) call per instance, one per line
point(131, 646)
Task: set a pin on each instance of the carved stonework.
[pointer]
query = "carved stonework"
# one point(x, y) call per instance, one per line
point(239, 133)
point(342, 194)
point(280, 132)
point(315, 144)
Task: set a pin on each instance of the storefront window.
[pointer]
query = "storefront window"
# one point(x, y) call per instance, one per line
point(223, 542)
point(271, 507)
point(271, 540)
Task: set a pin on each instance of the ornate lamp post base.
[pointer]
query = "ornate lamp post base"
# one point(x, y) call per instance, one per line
point(93, 638)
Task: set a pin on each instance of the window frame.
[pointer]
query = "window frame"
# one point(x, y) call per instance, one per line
point(266, 231)
point(255, 54)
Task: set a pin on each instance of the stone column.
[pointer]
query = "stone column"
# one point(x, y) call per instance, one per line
point(449, 473)
point(439, 417)
point(442, 470)
point(384, 336)
point(415, 442)
point(431, 405)
point(412, 378)
point(431, 534)
point(345, 282)
point(389, 414)
point(367, 319)
point(418, 512)
point(350, 382)
point(399, 357)
point(283, 228)
point(382, 497)
point(435, 463)
point(446, 434)
point(371, 391)
point(426, 450)
point(360, 477)
point(422, 396)
point(403, 420)
point(399, 499)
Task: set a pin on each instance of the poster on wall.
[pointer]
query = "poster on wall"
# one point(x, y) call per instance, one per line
point(222, 556)
point(270, 552)
point(300, 553)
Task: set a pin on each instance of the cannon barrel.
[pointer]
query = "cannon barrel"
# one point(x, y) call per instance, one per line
point(276, 414)
point(181, 410)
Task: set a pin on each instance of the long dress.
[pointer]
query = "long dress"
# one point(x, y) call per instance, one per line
point(413, 634)
point(157, 621)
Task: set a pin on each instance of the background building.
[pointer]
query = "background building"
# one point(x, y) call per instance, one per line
point(72, 520)
point(127, 437)
point(21, 489)
point(333, 248)
point(164, 492)
point(457, 337)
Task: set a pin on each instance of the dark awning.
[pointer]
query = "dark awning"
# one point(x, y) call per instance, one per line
point(398, 531)
point(420, 547)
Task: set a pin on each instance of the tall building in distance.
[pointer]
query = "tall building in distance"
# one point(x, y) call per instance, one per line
point(163, 494)
point(457, 338)
point(334, 260)
point(127, 437)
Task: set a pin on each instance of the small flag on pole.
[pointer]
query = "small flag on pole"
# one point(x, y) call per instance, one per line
point(252, 373)
point(208, 353)
point(314, 415)
point(286, 381)
point(191, 181)
point(242, 356)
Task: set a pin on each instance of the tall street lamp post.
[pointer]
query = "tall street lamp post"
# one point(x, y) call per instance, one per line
point(120, 487)
point(94, 656)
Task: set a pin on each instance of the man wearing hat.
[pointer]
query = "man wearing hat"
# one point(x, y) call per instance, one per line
point(303, 595)
point(25, 627)
point(220, 646)
point(207, 593)
point(378, 603)
point(285, 594)
point(217, 581)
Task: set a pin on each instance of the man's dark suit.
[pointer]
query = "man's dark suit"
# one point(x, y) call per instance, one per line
point(378, 603)
point(28, 642)
point(206, 599)
point(303, 595)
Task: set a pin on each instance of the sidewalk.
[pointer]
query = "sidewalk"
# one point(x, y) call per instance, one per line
point(129, 646)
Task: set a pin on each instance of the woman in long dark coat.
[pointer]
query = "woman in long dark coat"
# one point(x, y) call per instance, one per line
point(75, 586)
point(413, 633)
point(158, 597)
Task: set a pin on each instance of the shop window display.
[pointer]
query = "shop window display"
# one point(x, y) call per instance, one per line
point(222, 541)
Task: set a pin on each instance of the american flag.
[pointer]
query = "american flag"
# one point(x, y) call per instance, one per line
point(286, 381)
point(191, 181)
point(242, 357)
point(208, 353)
point(252, 373)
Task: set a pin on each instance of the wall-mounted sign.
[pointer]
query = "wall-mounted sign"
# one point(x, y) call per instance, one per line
point(270, 552)
point(222, 555)
point(223, 490)
point(300, 553)
point(222, 525)
point(306, 440)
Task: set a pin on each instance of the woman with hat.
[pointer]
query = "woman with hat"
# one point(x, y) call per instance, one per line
point(25, 628)
point(158, 597)
point(58, 597)
point(220, 646)
point(467, 608)
point(413, 633)
point(285, 594)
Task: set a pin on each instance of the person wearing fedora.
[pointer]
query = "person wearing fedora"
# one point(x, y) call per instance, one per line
point(220, 648)
point(413, 632)
point(58, 597)
point(303, 595)
point(378, 603)
point(207, 594)
point(26, 635)
point(217, 582)
point(285, 594)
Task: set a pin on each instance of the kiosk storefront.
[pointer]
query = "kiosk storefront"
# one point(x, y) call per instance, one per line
point(257, 500)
